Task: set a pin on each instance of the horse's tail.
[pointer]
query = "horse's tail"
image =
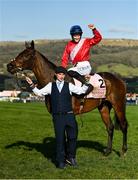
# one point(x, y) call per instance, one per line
point(116, 122)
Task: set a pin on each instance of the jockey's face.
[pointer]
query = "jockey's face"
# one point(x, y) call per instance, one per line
point(60, 76)
point(76, 37)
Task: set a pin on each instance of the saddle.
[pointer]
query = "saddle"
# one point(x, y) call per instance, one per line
point(98, 83)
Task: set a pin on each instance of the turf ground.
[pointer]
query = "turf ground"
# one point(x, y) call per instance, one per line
point(27, 145)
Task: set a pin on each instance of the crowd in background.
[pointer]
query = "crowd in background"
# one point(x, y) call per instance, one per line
point(18, 96)
point(132, 99)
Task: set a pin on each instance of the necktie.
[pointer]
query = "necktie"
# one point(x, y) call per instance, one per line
point(59, 86)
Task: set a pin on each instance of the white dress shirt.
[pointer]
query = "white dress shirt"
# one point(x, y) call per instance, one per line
point(72, 88)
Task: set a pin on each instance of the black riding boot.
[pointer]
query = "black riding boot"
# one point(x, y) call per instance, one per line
point(81, 78)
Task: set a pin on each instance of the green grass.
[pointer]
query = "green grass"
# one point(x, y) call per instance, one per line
point(27, 145)
point(124, 70)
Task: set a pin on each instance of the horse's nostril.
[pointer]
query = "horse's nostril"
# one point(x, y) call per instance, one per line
point(9, 67)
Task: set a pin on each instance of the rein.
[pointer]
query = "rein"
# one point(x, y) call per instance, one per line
point(17, 79)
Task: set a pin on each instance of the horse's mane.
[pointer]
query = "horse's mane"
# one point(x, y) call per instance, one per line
point(50, 64)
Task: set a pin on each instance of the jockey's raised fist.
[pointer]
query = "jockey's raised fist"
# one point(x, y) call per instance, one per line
point(91, 26)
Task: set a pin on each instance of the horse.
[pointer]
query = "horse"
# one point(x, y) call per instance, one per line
point(43, 69)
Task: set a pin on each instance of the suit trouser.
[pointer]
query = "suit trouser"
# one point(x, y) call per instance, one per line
point(65, 127)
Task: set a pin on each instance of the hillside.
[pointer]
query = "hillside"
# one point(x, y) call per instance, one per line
point(113, 55)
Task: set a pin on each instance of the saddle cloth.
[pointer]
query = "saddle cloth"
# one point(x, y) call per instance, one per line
point(98, 83)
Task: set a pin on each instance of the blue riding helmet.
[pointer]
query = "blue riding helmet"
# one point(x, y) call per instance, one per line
point(75, 30)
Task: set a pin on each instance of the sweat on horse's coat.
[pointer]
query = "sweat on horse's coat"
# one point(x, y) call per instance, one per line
point(31, 59)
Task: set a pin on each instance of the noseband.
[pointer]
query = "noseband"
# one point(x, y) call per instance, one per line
point(18, 68)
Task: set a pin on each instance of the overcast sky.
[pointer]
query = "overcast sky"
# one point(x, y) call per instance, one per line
point(22, 20)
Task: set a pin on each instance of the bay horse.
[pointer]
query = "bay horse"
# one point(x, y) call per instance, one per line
point(31, 59)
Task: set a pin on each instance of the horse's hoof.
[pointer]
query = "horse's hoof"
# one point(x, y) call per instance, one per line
point(123, 153)
point(107, 152)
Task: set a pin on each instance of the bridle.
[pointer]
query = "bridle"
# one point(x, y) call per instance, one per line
point(20, 70)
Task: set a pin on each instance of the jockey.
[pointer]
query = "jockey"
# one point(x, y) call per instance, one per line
point(77, 52)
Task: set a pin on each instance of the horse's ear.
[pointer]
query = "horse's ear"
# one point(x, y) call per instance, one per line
point(32, 44)
point(26, 44)
point(29, 44)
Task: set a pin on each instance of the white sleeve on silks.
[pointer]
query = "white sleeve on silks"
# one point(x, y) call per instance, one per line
point(77, 89)
point(44, 91)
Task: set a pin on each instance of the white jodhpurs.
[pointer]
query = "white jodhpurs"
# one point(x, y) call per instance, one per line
point(82, 68)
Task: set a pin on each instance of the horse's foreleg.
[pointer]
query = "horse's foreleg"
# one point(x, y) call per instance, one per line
point(105, 114)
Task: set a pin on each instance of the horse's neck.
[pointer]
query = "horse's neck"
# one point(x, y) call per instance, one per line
point(43, 70)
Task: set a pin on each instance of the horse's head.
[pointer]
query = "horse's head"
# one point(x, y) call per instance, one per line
point(24, 61)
